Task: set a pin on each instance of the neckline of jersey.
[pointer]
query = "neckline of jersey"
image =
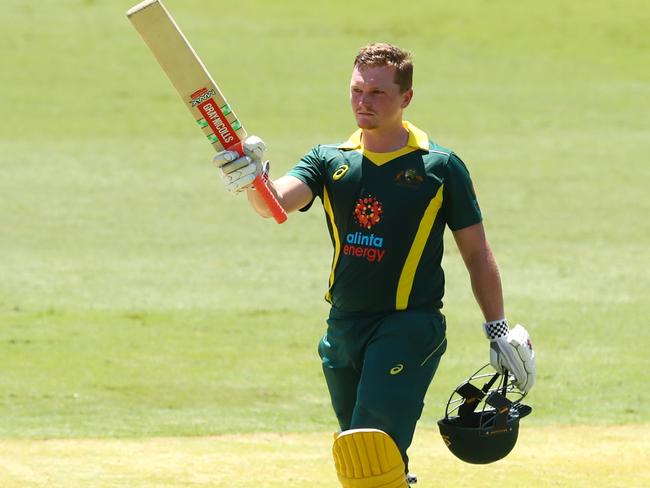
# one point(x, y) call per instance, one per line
point(417, 139)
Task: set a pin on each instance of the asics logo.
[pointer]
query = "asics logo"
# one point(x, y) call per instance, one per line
point(340, 172)
point(397, 369)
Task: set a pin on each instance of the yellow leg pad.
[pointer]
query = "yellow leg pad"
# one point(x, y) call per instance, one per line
point(368, 458)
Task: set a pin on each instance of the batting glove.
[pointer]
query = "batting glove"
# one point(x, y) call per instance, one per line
point(512, 350)
point(239, 172)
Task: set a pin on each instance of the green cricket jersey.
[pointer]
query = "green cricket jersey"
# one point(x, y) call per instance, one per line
point(386, 214)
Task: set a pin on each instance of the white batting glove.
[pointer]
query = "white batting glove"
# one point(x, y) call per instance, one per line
point(238, 172)
point(512, 350)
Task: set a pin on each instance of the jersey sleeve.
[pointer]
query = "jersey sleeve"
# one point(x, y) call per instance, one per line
point(459, 198)
point(310, 170)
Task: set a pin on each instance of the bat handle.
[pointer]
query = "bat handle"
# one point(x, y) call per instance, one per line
point(269, 198)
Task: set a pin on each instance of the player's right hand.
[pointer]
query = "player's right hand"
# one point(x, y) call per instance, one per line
point(512, 350)
point(239, 172)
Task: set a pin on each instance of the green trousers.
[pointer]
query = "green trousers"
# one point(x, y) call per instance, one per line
point(378, 368)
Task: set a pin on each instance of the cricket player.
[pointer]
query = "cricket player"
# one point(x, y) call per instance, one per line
point(388, 193)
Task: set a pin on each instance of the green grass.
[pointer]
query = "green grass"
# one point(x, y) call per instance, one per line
point(138, 299)
point(274, 460)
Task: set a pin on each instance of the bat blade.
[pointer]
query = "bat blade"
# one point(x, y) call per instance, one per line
point(193, 82)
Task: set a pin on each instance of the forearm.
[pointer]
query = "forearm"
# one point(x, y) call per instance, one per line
point(290, 192)
point(486, 284)
point(257, 202)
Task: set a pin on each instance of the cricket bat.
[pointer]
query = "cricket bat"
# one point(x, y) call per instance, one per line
point(196, 87)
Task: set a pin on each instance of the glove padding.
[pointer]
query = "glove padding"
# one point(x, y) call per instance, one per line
point(239, 172)
point(512, 351)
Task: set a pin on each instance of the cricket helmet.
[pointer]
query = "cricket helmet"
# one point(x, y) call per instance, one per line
point(481, 422)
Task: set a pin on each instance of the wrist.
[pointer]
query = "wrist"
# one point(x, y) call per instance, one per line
point(496, 329)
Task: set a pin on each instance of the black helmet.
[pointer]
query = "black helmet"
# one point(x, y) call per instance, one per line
point(481, 423)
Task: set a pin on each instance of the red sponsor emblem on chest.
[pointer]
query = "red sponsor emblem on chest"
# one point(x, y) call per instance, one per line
point(368, 212)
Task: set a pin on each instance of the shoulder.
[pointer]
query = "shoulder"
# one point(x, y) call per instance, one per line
point(327, 154)
point(437, 149)
point(446, 164)
point(324, 150)
point(436, 156)
point(445, 156)
point(331, 149)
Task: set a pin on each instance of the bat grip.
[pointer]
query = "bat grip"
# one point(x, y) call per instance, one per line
point(269, 198)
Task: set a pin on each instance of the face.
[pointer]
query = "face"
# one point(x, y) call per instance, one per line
point(375, 97)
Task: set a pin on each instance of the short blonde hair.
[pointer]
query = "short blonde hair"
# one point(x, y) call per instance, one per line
point(382, 54)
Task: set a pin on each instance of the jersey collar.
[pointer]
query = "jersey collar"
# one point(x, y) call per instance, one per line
point(417, 139)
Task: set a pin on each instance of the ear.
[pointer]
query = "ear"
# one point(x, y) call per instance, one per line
point(406, 98)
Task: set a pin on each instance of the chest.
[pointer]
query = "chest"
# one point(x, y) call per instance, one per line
point(363, 194)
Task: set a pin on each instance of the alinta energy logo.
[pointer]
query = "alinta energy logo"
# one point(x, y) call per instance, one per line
point(368, 212)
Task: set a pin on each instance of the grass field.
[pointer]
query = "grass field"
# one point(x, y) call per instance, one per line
point(155, 332)
point(256, 460)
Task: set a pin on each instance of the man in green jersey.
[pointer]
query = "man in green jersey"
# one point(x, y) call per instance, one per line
point(388, 193)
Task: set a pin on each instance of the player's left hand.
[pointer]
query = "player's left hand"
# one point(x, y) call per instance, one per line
point(512, 350)
point(239, 172)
